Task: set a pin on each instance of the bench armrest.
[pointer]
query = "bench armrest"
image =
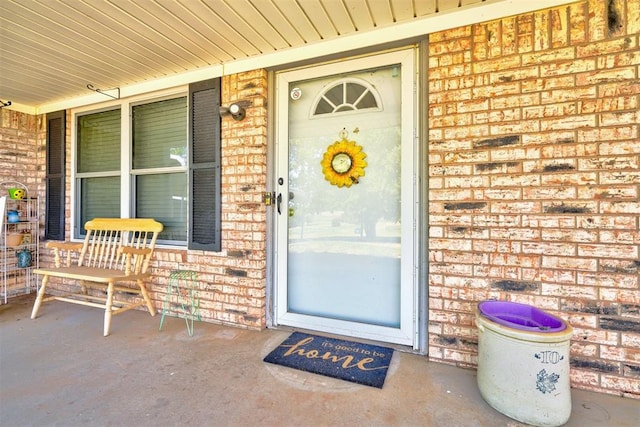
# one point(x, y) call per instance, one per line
point(138, 261)
point(133, 251)
point(64, 248)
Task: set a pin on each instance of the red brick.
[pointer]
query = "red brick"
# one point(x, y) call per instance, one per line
point(566, 67)
point(554, 110)
point(511, 101)
point(597, 24)
point(577, 122)
point(541, 30)
point(579, 178)
point(629, 387)
point(608, 192)
point(578, 23)
point(563, 95)
point(624, 88)
point(525, 37)
point(608, 104)
point(624, 296)
point(450, 45)
point(620, 207)
point(570, 263)
point(619, 354)
point(559, 27)
point(630, 340)
point(583, 349)
point(548, 221)
point(605, 76)
point(633, 17)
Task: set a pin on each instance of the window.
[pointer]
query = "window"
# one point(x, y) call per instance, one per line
point(133, 160)
point(98, 167)
point(159, 135)
point(347, 95)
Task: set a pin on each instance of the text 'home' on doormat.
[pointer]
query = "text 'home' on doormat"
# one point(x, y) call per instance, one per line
point(347, 360)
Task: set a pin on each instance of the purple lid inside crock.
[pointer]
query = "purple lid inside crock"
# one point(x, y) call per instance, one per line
point(520, 316)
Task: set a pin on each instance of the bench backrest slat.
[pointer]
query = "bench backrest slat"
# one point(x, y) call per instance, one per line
point(105, 236)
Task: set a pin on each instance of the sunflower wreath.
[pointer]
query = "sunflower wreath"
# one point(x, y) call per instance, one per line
point(343, 163)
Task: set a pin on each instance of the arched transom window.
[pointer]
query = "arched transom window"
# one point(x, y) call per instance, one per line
point(347, 95)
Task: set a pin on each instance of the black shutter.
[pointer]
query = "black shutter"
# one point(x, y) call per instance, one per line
point(55, 175)
point(204, 166)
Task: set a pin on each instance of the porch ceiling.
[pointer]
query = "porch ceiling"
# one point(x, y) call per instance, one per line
point(50, 50)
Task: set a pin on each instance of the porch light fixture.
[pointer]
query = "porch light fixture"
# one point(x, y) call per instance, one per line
point(235, 110)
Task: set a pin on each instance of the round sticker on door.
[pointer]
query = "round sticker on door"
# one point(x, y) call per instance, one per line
point(296, 93)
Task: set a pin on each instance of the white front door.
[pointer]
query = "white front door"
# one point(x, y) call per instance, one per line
point(346, 198)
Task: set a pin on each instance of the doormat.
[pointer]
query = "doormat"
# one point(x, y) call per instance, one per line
point(347, 360)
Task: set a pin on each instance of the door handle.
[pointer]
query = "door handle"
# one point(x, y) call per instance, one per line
point(279, 202)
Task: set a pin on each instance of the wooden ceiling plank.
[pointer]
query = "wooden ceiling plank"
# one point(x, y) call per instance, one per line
point(381, 12)
point(55, 52)
point(38, 82)
point(285, 28)
point(70, 37)
point(339, 16)
point(172, 16)
point(34, 76)
point(135, 16)
point(37, 75)
point(300, 22)
point(246, 11)
point(229, 14)
point(114, 39)
point(27, 92)
point(119, 25)
point(319, 19)
point(402, 10)
point(444, 5)
point(229, 39)
point(85, 67)
point(425, 7)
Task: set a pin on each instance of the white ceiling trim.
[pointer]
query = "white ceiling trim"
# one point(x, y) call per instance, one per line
point(479, 12)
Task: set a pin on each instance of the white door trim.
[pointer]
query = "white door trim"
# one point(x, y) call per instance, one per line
point(408, 332)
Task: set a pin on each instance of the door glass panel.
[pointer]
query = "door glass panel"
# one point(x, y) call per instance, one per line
point(344, 242)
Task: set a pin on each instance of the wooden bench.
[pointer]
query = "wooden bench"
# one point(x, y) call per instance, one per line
point(114, 250)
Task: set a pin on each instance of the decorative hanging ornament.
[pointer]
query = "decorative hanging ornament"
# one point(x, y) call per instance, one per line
point(344, 161)
point(24, 258)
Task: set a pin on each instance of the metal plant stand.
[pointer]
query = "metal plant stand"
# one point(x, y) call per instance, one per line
point(182, 294)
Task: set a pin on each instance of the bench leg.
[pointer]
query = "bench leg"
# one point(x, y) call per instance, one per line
point(107, 310)
point(40, 297)
point(83, 286)
point(145, 295)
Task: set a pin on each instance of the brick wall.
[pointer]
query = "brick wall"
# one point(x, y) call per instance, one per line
point(534, 182)
point(22, 149)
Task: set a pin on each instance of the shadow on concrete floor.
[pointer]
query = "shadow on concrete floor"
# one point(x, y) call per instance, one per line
point(58, 370)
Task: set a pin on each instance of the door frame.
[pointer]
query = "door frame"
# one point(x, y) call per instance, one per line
point(410, 157)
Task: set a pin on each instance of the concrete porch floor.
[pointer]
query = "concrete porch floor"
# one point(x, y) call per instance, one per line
point(59, 370)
